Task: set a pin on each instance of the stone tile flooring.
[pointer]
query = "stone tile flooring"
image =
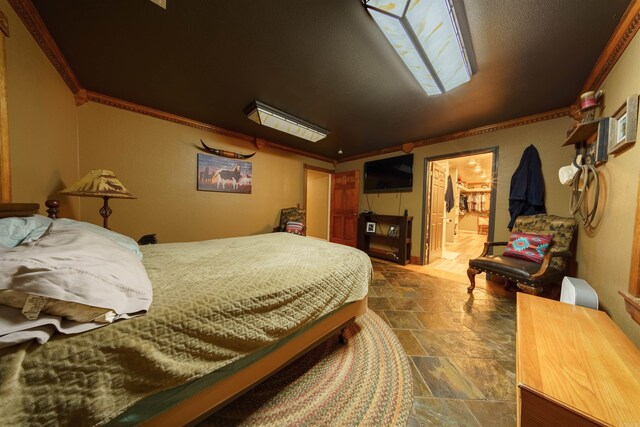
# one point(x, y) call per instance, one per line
point(461, 346)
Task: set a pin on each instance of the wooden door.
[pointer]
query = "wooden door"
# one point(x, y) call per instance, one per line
point(436, 211)
point(344, 208)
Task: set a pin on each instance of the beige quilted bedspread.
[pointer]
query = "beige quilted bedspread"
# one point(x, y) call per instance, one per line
point(214, 302)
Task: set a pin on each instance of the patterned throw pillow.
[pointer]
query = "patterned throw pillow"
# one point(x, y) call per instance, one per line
point(294, 227)
point(531, 247)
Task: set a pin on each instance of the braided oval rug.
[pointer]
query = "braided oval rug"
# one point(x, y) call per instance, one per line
point(366, 382)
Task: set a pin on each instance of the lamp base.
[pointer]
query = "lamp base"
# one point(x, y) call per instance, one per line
point(105, 211)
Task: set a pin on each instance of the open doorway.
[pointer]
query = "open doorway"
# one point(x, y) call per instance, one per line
point(317, 194)
point(459, 208)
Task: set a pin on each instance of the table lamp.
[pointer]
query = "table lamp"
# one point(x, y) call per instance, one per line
point(100, 183)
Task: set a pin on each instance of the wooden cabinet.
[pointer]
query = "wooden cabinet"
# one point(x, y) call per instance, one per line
point(574, 367)
point(390, 238)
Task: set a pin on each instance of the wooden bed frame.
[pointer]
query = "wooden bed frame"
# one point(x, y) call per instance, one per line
point(206, 402)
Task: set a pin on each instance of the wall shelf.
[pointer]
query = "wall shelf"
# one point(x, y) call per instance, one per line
point(582, 132)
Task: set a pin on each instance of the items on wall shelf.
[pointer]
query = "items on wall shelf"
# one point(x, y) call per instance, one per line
point(594, 140)
point(606, 135)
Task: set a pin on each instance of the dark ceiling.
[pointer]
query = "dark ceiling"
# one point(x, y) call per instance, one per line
point(326, 62)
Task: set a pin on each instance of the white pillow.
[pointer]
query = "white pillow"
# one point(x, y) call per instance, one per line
point(14, 230)
point(122, 240)
point(77, 266)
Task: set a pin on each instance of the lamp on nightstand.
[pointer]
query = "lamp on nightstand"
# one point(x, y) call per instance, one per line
point(100, 183)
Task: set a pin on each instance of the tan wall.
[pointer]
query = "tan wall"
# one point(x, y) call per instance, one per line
point(156, 160)
point(547, 136)
point(604, 251)
point(317, 204)
point(42, 121)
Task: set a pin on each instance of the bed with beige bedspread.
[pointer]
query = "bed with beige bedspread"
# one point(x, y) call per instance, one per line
point(214, 302)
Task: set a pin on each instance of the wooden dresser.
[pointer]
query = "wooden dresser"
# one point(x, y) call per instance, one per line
point(574, 367)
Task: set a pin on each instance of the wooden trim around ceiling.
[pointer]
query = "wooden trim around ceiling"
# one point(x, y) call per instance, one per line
point(152, 112)
point(620, 39)
point(32, 20)
point(553, 114)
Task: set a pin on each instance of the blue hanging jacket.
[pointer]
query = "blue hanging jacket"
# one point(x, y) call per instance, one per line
point(526, 196)
point(448, 195)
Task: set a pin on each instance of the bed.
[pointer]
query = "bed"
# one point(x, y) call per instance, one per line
point(226, 314)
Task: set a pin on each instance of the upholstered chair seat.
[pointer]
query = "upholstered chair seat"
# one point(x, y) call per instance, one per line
point(530, 276)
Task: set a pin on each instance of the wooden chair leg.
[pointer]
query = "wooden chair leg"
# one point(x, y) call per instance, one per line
point(343, 336)
point(471, 273)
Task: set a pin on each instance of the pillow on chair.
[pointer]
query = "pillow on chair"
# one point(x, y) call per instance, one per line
point(294, 227)
point(531, 247)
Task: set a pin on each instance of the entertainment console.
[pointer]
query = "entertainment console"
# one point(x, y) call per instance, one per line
point(385, 236)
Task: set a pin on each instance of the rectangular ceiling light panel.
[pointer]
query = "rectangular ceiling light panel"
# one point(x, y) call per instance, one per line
point(434, 24)
point(161, 3)
point(425, 34)
point(396, 8)
point(279, 120)
point(397, 36)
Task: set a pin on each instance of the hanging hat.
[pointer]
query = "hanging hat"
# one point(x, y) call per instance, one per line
point(566, 173)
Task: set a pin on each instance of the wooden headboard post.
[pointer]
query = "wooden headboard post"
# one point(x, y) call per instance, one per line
point(53, 207)
point(5, 160)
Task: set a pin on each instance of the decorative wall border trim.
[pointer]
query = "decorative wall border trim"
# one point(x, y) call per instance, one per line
point(549, 115)
point(620, 39)
point(32, 20)
point(147, 111)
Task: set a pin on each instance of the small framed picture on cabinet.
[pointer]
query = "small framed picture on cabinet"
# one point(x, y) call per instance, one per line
point(371, 227)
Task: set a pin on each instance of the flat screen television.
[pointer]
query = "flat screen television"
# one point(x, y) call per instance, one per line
point(390, 175)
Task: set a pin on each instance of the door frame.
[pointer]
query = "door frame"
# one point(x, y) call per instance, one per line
point(426, 188)
point(330, 172)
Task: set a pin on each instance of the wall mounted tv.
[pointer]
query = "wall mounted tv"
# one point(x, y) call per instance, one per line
point(390, 175)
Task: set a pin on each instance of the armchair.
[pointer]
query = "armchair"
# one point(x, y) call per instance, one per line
point(531, 277)
point(292, 214)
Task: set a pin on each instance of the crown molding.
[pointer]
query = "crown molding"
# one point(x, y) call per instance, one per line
point(32, 20)
point(522, 121)
point(162, 115)
point(158, 114)
point(615, 47)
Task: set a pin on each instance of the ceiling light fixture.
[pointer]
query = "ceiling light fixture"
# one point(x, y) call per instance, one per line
point(472, 162)
point(266, 115)
point(477, 168)
point(429, 38)
point(483, 174)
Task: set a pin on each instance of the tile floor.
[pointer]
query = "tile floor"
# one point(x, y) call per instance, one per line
point(461, 347)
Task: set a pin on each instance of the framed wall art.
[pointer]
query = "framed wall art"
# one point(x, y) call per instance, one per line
point(223, 174)
point(626, 118)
